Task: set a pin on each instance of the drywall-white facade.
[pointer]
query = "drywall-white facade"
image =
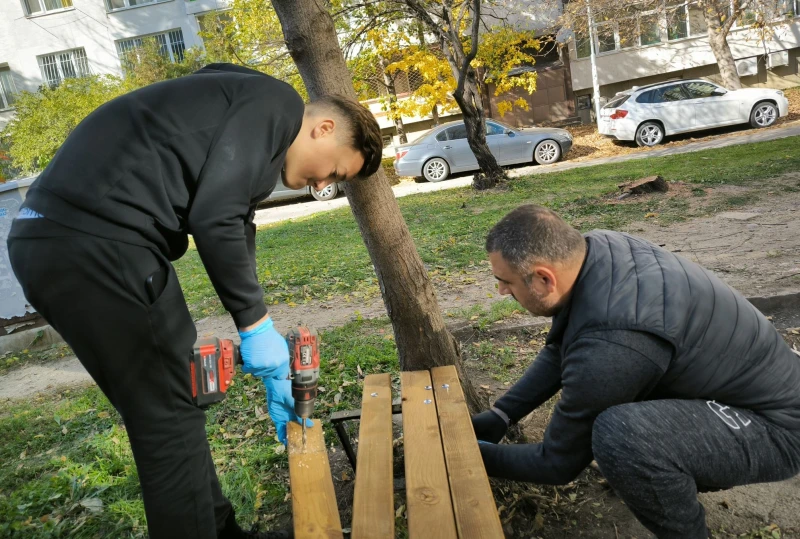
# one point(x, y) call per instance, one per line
point(89, 25)
point(671, 58)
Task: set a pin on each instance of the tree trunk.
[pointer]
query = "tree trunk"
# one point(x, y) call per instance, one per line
point(435, 115)
point(718, 39)
point(472, 108)
point(422, 339)
point(388, 81)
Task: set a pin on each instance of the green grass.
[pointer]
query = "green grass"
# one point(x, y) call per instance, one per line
point(482, 318)
point(66, 467)
point(323, 256)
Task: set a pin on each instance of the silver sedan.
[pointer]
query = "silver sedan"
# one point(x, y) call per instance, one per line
point(444, 150)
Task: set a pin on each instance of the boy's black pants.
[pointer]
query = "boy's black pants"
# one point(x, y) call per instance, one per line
point(92, 291)
point(658, 454)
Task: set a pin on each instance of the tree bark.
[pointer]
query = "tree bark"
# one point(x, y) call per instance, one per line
point(422, 339)
point(388, 81)
point(718, 39)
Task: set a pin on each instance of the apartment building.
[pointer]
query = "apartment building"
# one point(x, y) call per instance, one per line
point(652, 47)
point(46, 41)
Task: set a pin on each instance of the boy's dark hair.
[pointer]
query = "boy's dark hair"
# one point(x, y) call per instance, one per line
point(532, 234)
point(362, 127)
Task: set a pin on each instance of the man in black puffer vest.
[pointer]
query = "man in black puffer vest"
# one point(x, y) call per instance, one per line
point(671, 380)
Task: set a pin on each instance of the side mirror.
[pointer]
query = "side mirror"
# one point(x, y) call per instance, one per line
point(510, 133)
point(719, 92)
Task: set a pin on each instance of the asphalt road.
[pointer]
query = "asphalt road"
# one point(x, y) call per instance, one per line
point(274, 213)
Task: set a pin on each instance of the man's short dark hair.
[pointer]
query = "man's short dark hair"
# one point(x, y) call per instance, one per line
point(362, 127)
point(531, 234)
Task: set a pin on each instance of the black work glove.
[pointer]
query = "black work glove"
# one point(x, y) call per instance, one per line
point(489, 426)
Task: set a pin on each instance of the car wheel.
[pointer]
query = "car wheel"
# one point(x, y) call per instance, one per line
point(436, 170)
point(649, 134)
point(328, 193)
point(546, 152)
point(763, 115)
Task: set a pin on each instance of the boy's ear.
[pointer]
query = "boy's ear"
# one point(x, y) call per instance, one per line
point(324, 127)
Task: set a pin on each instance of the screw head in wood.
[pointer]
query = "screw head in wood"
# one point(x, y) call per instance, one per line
point(427, 401)
point(373, 395)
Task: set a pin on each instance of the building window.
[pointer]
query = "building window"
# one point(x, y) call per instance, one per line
point(63, 65)
point(113, 5)
point(7, 88)
point(170, 45)
point(583, 46)
point(38, 7)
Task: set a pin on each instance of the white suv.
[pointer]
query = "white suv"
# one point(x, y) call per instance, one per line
point(647, 114)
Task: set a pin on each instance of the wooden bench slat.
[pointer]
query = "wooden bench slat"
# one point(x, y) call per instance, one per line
point(473, 501)
point(430, 509)
point(313, 498)
point(373, 504)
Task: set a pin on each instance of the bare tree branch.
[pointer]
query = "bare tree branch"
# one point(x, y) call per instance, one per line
point(473, 51)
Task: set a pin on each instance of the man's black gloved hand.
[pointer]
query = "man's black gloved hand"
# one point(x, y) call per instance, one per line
point(489, 426)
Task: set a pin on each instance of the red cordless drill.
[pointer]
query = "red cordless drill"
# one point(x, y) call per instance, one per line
point(214, 360)
point(304, 358)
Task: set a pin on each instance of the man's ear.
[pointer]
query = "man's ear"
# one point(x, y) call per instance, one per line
point(323, 128)
point(544, 279)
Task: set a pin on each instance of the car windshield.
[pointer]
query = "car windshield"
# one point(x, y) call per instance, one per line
point(617, 101)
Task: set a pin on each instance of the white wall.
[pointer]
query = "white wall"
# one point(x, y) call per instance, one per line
point(675, 56)
point(88, 25)
point(23, 38)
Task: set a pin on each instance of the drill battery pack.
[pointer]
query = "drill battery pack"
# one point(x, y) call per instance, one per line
point(212, 368)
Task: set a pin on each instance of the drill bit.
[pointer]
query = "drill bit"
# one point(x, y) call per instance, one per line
point(304, 432)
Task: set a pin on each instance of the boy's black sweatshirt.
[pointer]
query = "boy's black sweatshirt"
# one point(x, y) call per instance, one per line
point(192, 155)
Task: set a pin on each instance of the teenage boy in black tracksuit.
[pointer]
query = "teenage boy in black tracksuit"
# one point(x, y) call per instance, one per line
point(192, 155)
point(670, 379)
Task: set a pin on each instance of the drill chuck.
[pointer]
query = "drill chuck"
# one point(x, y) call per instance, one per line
point(304, 409)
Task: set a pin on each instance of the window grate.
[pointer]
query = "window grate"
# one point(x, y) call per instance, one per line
point(170, 45)
point(7, 88)
point(63, 65)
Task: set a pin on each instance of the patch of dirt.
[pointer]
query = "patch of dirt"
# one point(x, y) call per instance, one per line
point(755, 249)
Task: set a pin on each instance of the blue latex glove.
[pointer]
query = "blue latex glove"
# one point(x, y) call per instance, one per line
point(264, 351)
point(280, 404)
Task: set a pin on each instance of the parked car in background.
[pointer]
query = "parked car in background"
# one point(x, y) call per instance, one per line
point(282, 192)
point(647, 114)
point(444, 150)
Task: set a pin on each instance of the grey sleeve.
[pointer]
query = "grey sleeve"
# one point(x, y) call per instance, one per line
point(599, 370)
point(541, 381)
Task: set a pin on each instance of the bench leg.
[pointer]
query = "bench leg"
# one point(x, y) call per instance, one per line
point(344, 438)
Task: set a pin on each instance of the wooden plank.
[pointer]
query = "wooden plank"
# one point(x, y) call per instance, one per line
point(473, 501)
point(373, 503)
point(430, 510)
point(314, 507)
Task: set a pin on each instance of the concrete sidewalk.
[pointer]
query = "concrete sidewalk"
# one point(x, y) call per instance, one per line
point(278, 213)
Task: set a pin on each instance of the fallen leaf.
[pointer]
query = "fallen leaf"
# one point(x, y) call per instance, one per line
point(345, 477)
point(64, 431)
point(399, 512)
point(280, 449)
point(484, 387)
point(103, 415)
point(249, 433)
point(337, 398)
point(23, 454)
point(538, 521)
point(93, 505)
point(360, 372)
point(650, 215)
point(321, 389)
